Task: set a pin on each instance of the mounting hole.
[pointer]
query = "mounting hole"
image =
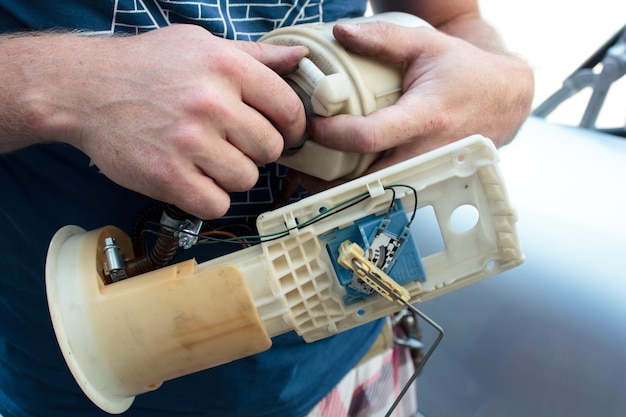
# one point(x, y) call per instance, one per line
point(460, 159)
point(464, 218)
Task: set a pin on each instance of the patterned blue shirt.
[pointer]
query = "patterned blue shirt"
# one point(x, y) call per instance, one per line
point(232, 19)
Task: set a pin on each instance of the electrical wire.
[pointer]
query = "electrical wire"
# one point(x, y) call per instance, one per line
point(255, 239)
point(223, 233)
point(397, 297)
point(339, 207)
point(414, 192)
point(427, 355)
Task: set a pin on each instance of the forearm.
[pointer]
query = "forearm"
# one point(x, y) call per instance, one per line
point(473, 29)
point(459, 18)
point(34, 73)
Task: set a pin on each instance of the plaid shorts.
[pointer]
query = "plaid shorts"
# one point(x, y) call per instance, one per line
point(371, 387)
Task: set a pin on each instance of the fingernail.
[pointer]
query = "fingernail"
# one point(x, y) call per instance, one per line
point(350, 27)
point(302, 49)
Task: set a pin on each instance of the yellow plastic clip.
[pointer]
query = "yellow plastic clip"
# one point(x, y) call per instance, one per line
point(352, 256)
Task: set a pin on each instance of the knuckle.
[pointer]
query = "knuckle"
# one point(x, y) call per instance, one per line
point(187, 139)
point(217, 208)
point(205, 203)
point(440, 121)
point(163, 175)
point(267, 146)
point(368, 140)
point(212, 207)
point(248, 178)
point(273, 150)
point(244, 178)
point(293, 109)
point(201, 102)
point(285, 114)
point(381, 28)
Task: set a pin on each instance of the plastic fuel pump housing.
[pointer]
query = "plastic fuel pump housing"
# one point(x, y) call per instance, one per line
point(331, 81)
point(125, 338)
point(306, 271)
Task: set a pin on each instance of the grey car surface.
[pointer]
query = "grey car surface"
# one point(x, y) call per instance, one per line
point(547, 338)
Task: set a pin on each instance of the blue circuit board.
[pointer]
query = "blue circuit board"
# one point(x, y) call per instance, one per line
point(387, 242)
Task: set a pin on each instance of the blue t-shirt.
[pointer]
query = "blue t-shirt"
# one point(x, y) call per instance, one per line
point(45, 187)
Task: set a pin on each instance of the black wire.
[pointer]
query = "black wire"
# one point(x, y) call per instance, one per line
point(256, 239)
point(427, 355)
point(329, 213)
point(414, 191)
point(393, 200)
point(268, 238)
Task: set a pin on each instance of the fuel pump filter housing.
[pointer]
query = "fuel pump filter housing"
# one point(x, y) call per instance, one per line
point(331, 81)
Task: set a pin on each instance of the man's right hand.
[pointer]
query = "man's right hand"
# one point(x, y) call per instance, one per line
point(176, 114)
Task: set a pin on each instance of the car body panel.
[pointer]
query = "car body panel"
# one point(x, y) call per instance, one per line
point(547, 338)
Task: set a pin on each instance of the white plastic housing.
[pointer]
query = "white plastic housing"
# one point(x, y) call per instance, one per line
point(339, 82)
point(125, 338)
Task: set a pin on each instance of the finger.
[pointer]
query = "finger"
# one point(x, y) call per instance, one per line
point(200, 185)
point(267, 92)
point(387, 41)
point(380, 130)
point(271, 96)
point(281, 59)
point(230, 168)
point(200, 196)
point(208, 149)
point(178, 181)
point(250, 132)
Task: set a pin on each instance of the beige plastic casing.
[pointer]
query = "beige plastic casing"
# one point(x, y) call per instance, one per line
point(123, 340)
point(126, 338)
point(339, 82)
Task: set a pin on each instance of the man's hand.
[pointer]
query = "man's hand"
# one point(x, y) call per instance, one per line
point(176, 114)
point(451, 89)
